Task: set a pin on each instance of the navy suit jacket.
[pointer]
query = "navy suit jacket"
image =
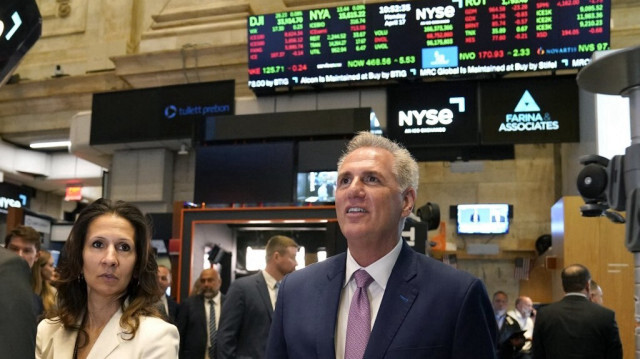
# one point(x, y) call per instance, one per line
point(428, 310)
point(245, 319)
point(192, 325)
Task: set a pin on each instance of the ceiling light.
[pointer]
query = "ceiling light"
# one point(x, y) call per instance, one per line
point(50, 144)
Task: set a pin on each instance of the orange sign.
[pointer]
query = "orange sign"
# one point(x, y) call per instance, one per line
point(73, 193)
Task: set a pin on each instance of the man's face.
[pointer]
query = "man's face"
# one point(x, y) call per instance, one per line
point(596, 295)
point(525, 306)
point(164, 278)
point(210, 283)
point(286, 263)
point(369, 203)
point(24, 249)
point(499, 302)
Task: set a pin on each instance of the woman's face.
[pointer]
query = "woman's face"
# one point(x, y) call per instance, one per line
point(48, 269)
point(109, 256)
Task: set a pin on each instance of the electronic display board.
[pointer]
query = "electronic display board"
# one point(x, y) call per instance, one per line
point(530, 110)
point(20, 28)
point(158, 113)
point(433, 114)
point(427, 38)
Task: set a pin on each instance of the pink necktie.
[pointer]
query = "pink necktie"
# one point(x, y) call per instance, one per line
point(359, 323)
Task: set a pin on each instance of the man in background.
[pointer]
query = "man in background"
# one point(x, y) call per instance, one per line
point(574, 327)
point(380, 298)
point(17, 316)
point(25, 242)
point(510, 336)
point(249, 304)
point(524, 313)
point(168, 306)
point(198, 318)
point(595, 292)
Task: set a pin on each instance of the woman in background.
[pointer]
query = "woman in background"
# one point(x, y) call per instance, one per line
point(41, 280)
point(107, 290)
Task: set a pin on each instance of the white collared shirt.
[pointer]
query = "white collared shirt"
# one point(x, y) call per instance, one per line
point(271, 286)
point(380, 271)
point(216, 307)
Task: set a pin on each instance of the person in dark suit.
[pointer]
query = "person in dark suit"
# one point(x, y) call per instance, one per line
point(380, 299)
point(18, 323)
point(247, 311)
point(25, 242)
point(574, 327)
point(168, 306)
point(194, 317)
point(509, 332)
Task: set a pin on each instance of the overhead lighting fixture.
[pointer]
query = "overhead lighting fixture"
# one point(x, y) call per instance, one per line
point(50, 144)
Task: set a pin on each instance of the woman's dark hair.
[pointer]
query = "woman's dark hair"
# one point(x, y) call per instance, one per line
point(142, 292)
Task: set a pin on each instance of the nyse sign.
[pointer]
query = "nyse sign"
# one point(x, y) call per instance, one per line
point(14, 23)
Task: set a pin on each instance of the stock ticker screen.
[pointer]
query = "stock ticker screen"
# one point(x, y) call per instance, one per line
point(427, 38)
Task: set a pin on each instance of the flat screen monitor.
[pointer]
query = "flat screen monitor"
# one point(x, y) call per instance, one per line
point(245, 173)
point(317, 187)
point(483, 218)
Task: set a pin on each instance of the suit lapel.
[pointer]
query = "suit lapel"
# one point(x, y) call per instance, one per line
point(398, 298)
point(109, 338)
point(261, 287)
point(200, 313)
point(64, 342)
point(328, 294)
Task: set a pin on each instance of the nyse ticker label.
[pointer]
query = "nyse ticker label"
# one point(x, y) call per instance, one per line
point(424, 38)
point(430, 120)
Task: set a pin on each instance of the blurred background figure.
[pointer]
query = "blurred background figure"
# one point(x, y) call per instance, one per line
point(168, 306)
point(595, 292)
point(41, 275)
point(199, 317)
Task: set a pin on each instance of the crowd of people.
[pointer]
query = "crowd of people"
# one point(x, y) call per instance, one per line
point(107, 296)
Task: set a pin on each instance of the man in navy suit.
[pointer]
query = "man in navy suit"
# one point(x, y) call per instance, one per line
point(419, 307)
point(194, 316)
point(248, 308)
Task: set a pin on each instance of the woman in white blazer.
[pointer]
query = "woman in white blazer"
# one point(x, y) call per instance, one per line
point(107, 291)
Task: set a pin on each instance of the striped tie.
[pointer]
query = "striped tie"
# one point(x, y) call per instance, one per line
point(212, 330)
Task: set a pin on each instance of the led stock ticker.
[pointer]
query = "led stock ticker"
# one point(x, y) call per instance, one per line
point(427, 38)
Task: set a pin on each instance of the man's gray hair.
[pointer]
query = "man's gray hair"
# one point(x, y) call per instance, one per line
point(405, 167)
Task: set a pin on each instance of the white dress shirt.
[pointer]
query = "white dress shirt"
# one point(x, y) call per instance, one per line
point(271, 286)
point(216, 307)
point(380, 271)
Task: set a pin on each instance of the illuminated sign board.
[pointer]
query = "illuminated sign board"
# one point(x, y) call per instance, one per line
point(433, 114)
point(158, 113)
point(20, 28)
point(427, 38)
point(533, 110)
